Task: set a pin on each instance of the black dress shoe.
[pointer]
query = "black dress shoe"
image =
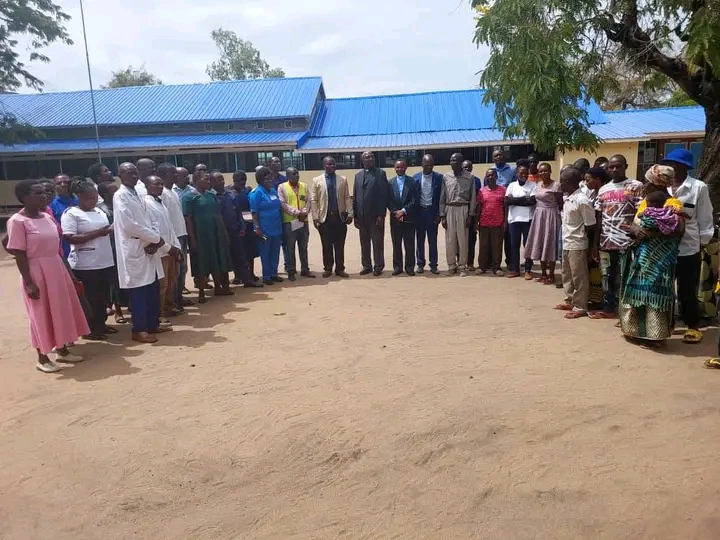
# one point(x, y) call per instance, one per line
point(365, 271)
point(278, 279)
point(292, 277)
point(377, 273)
point(420, 270)
point(307, 274)
point(342, 273)
point(253, 285)
point(237, 281)
point(410, 272)
point(435, 271)
point(397, 272)
point(269, 282)
point(327, 273)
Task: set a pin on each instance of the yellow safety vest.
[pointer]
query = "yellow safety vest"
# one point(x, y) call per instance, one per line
point(298, 200)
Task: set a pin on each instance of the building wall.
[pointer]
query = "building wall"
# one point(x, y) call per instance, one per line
point(629, 150)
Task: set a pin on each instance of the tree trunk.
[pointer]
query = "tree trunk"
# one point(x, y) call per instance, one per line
point(708, 169)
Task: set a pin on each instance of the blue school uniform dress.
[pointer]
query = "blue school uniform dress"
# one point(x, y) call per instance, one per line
point(266, 204)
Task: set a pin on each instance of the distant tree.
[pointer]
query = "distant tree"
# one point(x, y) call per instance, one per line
point(633, 88)
point(44, 22)
point(547, 59)
point(239, 59)
point(679, 99)
point(132, 77)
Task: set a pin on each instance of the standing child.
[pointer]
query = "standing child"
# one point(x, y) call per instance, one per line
point(578, 216)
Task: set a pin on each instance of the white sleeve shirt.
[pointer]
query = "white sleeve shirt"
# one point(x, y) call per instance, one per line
point(699, 228)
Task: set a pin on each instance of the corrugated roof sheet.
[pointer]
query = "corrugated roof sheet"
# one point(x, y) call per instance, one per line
point(291, 138)
point(410, 113)
point(402, 140)
point(644, 123)
point(208, 102)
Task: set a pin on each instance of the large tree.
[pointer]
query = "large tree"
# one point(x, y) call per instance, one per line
point(44, 23)
point(132, 77)
point(239, 59)
point(548, 58)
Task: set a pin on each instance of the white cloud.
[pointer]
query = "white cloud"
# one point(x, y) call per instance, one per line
point(359, 47)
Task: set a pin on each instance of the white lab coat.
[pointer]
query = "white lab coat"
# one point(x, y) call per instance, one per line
point(133, 232)
point(161, 223)
point(174, 208)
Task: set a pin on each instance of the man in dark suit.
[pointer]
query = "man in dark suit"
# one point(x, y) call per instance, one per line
point(370, 201)
point(402, 203)
point(428, 184)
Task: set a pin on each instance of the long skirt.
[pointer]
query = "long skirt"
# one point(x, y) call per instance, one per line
point(645, 321)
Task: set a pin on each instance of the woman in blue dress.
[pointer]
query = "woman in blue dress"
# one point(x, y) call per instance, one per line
point(267, 221)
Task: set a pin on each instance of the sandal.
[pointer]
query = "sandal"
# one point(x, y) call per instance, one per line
point(120, 319)
point(563, 307)
point(541, 279)
point(528, 276)
point(692, 336)
point(575, 314)
point(712, 363)
point(602, 315)
point(109, 330)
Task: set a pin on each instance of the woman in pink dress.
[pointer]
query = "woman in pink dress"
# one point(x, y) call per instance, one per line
point(542, 242)
point(51, 301)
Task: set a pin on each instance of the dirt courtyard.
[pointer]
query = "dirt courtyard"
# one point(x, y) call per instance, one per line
point(373, 408)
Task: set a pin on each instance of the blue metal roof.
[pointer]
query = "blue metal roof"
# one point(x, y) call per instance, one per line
point(207, 102)
point(403, 140)
point(644, 123)
point(410, 113)
point(289, 138)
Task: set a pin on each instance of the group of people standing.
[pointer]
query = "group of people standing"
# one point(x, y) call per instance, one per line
point(622, 243)
point(646, 239)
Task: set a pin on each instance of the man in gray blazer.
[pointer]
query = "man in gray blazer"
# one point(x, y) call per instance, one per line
point(370, 203)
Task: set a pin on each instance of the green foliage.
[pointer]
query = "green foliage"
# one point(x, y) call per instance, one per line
point(44, 22)
point(239, 59)
point(547, 59)
point(132, 77)
point(679, 99)
point(13, 131)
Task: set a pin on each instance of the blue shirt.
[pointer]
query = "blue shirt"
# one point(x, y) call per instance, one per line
point(266, 204)
point(331, 183)
point(279, 180)
point(478, 184)
point(505, 174)
point(231, 218)
point(58, 205)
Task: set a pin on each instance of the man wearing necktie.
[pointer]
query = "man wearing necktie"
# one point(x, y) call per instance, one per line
point(402, 204)
point(331, 207)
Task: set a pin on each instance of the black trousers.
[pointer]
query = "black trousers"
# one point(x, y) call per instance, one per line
point(241, 265)
point(98, 285)
point(332, 236)
point(472, 239)
point(372, 236)
point(403, 236)
point(687, 274)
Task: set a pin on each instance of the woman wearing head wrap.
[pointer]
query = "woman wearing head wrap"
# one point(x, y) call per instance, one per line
point(647, 295)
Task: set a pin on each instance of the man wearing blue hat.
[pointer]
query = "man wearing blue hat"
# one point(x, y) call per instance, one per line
point(699, 229)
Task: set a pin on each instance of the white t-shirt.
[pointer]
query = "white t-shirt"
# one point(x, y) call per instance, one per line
point(95, 254)
point(520, 213)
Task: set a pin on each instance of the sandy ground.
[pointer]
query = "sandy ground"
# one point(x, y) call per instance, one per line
point(370, 408)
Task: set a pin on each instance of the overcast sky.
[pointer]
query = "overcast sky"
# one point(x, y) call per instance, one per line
point(358, 47)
